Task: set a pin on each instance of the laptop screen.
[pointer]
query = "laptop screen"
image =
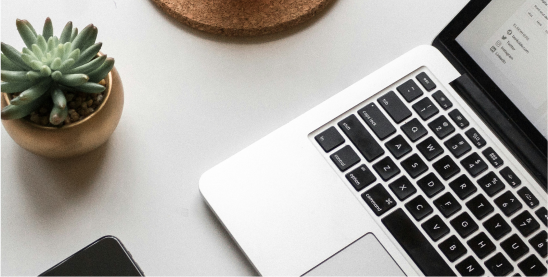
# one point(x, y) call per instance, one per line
point(508, 40)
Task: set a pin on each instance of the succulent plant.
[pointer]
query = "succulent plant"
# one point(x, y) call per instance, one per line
point(50, 66)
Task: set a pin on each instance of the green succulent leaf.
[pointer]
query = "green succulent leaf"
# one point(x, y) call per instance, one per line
point(26, 33)
point(51, 44)
point(88, 54)
point(56, 64)
point(45, 71)
point(14, 76)
point(33, 76)
point(89, 67)
point(66, 49)
point(90, 88)
point(9, 65)
point(101, 72)
point(13, 87)
point(73, 80)
point(31, 93)
point(58, 115)
point(38, 53)
point(56, 76)
point(75, 54)
point(42, 43)
point(90, 40)
point(13, 55)
point(58, 97)
point(65, 65)
point(47, 32)
point(65, 35)
point(73, 34)
point(80, 39)
point(20, 111)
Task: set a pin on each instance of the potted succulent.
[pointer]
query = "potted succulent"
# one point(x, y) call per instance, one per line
point(61, 97)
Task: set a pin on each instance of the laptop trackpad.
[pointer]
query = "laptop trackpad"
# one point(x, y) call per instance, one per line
point(366, 256)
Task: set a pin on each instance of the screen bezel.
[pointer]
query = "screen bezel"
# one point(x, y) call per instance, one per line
point(465, 64)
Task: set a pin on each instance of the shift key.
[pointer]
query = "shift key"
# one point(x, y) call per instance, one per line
point(393, 105)
point(361, 138)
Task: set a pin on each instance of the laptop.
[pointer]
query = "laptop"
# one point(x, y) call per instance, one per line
point(435, 164)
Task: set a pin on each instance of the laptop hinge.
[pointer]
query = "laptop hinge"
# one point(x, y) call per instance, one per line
point(503, 126)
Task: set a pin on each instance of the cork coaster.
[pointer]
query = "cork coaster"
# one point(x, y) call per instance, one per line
point(242, 17)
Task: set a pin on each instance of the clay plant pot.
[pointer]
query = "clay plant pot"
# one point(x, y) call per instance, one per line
point(76, 138)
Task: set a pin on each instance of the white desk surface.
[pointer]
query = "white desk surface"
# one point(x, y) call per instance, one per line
point(191, 100)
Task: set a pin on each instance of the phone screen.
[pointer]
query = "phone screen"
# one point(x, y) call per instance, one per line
point(104, 257)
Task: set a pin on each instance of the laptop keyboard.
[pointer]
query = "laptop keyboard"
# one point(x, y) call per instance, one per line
point(436, 185)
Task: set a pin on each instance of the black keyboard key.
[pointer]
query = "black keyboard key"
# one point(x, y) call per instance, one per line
point(392, 104)
point(398, 146)
point(457, 146)
point(426, 82)
point(531, 266)
point(425, 108)
point(497, 226)
point(540, 243)
point(474, 164)
point(329, 139)
point(511, 178)
point(442, 100)
point(499, 265)
point(414, 129)
point(386, 168)
point(525, 223)
point(345, 158)
point(360, 177)
point(441, 127)
point(447, 205)
point(402, 188)
point(481, 245)
point(491, 184)
point(528, 197)
point(475, 138)
point(418, 208)
point(409, 90)
point(514, 247)
point(430, 148)
point(446, 167)
point(435, 228)
point(508, 203)
point(416, 245)
point(376, 120)
point(542, 214)
point(463, 187)
point(464, 225)
point(430, 184)
point(480, 206)
point(459, 119)
point(378, 199)
point(494, 159)
point(452, 248)
point(361, 138)
point(469, 267)
point(414, 166)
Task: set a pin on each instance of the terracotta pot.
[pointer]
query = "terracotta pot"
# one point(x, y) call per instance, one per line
point(76, 138)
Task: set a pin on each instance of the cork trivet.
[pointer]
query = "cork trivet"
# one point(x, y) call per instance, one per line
point(242, 17)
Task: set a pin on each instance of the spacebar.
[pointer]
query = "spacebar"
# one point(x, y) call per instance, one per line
point(416, 245)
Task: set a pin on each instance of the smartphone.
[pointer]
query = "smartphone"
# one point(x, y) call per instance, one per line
point(106, 256)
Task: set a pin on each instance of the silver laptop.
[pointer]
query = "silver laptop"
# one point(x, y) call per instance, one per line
point(434, 164)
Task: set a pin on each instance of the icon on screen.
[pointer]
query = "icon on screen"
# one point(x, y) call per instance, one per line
point(498, 44)
point(509, 32)
point(493, 48)
point(503, 37)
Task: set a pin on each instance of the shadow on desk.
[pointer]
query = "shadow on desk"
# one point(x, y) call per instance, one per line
point(50, 182)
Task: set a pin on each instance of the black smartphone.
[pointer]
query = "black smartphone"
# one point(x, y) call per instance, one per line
point(106, 256)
